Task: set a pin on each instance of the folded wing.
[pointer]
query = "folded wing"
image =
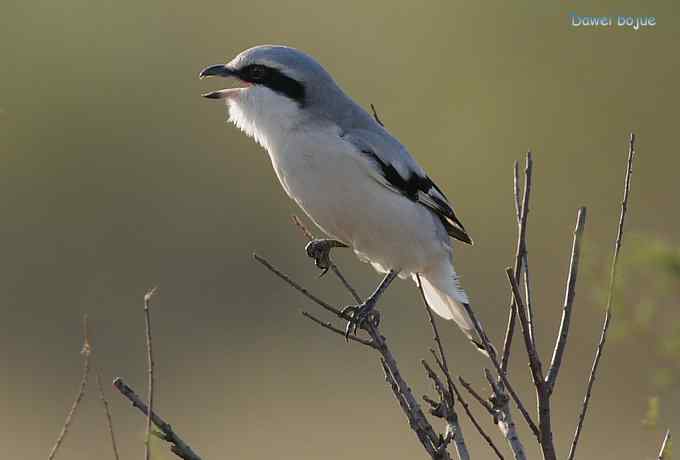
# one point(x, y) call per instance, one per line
point(392, 165)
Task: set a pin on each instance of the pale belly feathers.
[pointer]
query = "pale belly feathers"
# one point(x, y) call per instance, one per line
point(321, 174)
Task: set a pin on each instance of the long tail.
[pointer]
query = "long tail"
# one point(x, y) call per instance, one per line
point(445, 296)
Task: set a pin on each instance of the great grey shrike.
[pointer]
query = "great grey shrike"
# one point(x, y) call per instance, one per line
point(355, 180)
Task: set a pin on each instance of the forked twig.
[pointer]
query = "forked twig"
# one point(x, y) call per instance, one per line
point(107, 412)
point(443, 365)
point(610, 298)
point(503, 416)
point(85, 351)
point(501, 373)
point(561, 342)
point(296, 286)
point(520, 256)
point(534, 360)
point(401, 390)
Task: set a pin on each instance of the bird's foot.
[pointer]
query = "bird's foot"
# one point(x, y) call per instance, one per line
point(360, 316)
point(320, 251)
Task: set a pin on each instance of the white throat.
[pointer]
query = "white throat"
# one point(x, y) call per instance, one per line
point(264, 115)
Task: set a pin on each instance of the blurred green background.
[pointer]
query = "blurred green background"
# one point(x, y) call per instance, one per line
point(116, 176)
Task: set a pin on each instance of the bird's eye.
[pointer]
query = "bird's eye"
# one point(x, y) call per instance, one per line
point(257, 72)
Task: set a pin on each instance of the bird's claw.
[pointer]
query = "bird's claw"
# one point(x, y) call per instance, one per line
point(358, 316)
point(320, 251)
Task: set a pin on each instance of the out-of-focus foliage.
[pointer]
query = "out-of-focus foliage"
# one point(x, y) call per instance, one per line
point(647, 311)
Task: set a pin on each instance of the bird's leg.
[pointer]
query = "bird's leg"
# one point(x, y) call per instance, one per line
point(357, 314)
point(320, 251)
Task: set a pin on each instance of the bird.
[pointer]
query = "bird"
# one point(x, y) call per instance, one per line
point(350, 176)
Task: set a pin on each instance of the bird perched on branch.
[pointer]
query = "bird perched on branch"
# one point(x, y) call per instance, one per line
point(355, 180)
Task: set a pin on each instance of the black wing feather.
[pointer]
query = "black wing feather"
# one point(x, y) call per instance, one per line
point(422, 190)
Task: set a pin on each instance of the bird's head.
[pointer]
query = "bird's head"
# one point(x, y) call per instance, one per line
point(278, 86)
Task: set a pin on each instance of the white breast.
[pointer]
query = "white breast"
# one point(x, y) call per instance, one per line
point(322, 173)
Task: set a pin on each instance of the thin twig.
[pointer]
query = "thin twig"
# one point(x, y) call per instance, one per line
point(664, 445)
point(150, 370)
point(545, 438)
point(528, 298)
point(296, 286)
point(445, 409)
point(474, 421)
point(314, 299)
point(610, 298)
point(85, 351)
point(328, 325)
point(494, 360)
point(107, 411)
point(443, 365)
point(417, 421)
point(485, 404)
point(520, 256)
point(503, 416)
point(516, 191)
point(437, 339)
point(561, 342)
point(401, 390)
point(179, 447)
point(534, 360)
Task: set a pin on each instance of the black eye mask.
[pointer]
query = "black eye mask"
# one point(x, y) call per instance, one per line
point(275, 80)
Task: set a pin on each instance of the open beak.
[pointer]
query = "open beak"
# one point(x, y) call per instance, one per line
point(219, 70)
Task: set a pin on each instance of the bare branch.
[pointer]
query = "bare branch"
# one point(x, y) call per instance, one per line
point(416, 418)
point(665, 445)
point(516, 191)
point(445, 409)
point(107, 411)
point(534, 360)
point(476, 395)
point(474, 421)
point(419, 423)
point(527, 297)
point(400, 388)
point(443, 365)
point(520, 256)
point(337, 330)
point(85, 351)
point(610, 298)
point(179, 447)
point(494, 360)
point(545, 438)
point(149, 356)
point(297, 287)
point(561, 342)
point(503, 417)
